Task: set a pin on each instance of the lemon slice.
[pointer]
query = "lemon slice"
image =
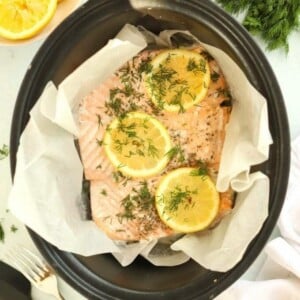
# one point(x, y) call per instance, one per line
point(187, 201)
point(21, 19)
point(179, 79)
point(137, 145)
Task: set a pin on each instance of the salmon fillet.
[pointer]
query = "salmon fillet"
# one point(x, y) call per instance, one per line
point(200, 132)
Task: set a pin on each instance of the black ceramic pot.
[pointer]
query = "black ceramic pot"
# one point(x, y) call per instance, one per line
point(81, 35)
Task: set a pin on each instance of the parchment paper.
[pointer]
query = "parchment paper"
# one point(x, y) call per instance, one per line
point(46, 194)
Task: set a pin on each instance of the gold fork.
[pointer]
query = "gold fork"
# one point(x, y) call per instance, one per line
point(35, 269)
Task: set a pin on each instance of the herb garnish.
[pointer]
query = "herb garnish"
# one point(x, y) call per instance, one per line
point(99, 121)
point(201, 171)
point(179, 196)
point(195, 67)
point(272, 19)
point(138, 145)
point(159, 82)
point(4, 152)
point(99, 142)
point(103, 192)
point(139, 200)
point(214, 76)
point(13, 228)
point(115, 105)
point(206, 55)
point(2, 235)
point(176, 152)
point(145, 66)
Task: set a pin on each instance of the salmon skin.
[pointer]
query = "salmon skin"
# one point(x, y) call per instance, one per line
point(124, 207)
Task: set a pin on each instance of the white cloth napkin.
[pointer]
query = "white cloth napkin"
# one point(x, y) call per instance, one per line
point(279, 277)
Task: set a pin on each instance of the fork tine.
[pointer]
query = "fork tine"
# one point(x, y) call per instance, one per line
point(34, 268)
point(29, 263)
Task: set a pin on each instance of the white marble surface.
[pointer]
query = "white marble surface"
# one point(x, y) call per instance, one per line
point(14, 62)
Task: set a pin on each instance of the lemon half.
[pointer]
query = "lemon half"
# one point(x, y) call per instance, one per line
point(179, 79)
point(187, 202)
point(21, 19)
point(137, 145)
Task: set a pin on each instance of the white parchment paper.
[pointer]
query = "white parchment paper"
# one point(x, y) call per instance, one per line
point(46, 194)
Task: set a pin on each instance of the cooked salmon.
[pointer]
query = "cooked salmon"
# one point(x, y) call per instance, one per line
point(124, 207)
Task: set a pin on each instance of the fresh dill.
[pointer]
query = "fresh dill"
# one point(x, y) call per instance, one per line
point(139, 200)
point(179, 196)
point(177, 99)
point(201, 170)
point(206, 55)
point(159, 83)
point(152, 150)
point(99, 121)
point(99, 142)
point(273, 20)
point(129, 130)
point(176, 152)
point(145, 66)
point(2, 234)
point(13, 228)
point(103, 192)
point(4, 152)
point(128, 209)
point(118, 176)
point(193, 66)
point(214, 76)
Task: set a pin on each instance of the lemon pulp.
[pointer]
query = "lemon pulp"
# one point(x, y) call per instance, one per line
point(21, 19)
point(179, 79)
point(185, 201)
point(137, 145)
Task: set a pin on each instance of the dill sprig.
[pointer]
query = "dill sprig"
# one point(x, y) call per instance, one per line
point(139, 200)
point(179, 196)
point(195, 67)
point(4, 152)
point(201, 170)
point(176, 152)
point(273, 20)
point(214, 76)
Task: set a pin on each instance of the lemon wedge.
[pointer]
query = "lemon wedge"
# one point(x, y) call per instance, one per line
point(137, 145)
point(21, 19)
point(186, 201)
point(179, 79)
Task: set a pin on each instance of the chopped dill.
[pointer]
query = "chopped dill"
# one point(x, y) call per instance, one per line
point(4, 152)
point(206, 55)
point(118, 176)
point(103, 192)
point(152, 150)
point(214, 76)
point(159, 83)
point(176, 152)
point(179, 196)
point(13, 228)
point(201, 170)
point(129, 130)
point(177, 99)
point(145, 66)
point(2, 234)
point(195, 67)
point(139, 200)
point(128, 206)
point(99, 142)
point(99, 120)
